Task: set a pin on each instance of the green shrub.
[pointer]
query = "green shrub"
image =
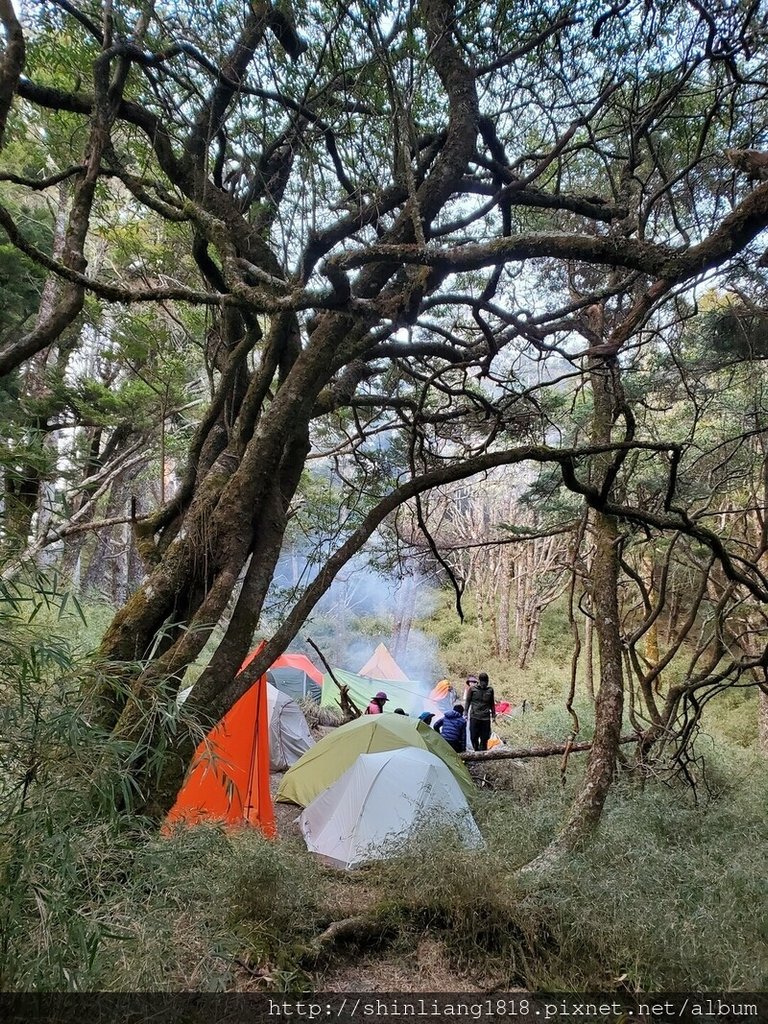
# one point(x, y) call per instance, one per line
point(466, 900)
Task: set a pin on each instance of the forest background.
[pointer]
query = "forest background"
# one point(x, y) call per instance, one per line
point(437, 324)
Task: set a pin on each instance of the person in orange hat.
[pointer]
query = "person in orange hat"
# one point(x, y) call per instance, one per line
point(443, 694)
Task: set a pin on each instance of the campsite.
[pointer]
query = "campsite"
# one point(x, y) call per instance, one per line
point(383, 500)
point(368, 856)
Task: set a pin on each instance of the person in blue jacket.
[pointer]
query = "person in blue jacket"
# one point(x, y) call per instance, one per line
point(453, 728)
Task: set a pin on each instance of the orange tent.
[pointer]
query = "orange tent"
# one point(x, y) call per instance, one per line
point(229, 777)
point(381, 665)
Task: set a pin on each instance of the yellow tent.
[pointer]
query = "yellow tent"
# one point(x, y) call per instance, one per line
point(327, 761)
point(381, 665)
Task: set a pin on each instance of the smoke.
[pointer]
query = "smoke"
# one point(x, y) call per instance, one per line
point(366, 605)
point(420, 660)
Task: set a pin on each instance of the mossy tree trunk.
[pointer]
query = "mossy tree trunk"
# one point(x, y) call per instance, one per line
point(231, 512)
point(586, 810)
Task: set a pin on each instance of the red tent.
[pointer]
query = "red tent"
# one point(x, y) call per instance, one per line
point(298, 661)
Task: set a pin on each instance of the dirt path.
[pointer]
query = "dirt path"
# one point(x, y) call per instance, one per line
point(426, 969)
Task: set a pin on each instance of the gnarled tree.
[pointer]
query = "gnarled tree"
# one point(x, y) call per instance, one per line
point(370, 204)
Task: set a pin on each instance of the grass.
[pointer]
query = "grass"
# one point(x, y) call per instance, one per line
point(661, 899)
point(671, 894)
point(215, 908)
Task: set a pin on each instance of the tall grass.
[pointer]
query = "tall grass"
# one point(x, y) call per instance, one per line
point(671, 894)
point(67, 830)
point(91, 897)
point(207, 909)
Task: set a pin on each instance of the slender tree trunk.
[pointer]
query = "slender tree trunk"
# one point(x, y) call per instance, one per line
point(533, 639)
point(21, 497)
point(521, 590)
point(673, 615)
point(609, 704)
point(652, 650)
point(406, 607)
point(524, 643)
point(339, 640)
point(652, 635)
point(100, 575)
point(530, 636)
point(502, 617)
point(587, 807)
point(762, 722)
point(588, 659)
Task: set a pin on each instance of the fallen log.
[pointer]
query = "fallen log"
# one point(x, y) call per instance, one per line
point(519, 754)
point(351, 928)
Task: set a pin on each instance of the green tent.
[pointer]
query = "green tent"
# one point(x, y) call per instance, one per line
point(295, 683)
point(406, 695)
point(327, 761)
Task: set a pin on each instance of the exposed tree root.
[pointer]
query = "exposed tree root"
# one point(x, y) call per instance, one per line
point(351, 931)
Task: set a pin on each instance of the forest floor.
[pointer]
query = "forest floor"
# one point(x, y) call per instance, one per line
point(656, 902)
point(427, 968)
point(448, 921)
point(425, 964)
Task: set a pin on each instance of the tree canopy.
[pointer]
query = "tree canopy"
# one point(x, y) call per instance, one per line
point(416, 242)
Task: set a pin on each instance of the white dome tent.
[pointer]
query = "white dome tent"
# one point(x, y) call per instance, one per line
point(289, 735)
point(380, 803)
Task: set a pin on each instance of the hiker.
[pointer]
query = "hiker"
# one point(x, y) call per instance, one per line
point(471, 681)
point(453, 728)
point(481, 711)
point(443, 695)
point(376, 707)
point(399, 711)
point(426, 717)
